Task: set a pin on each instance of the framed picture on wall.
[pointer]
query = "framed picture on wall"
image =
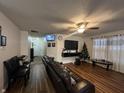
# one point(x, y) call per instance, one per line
point(0, 40)
point(3, 40)
point(49, 45)
point(53, 44)
point(0, 29)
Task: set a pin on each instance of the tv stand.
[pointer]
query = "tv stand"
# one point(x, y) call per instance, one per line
point(70, 54)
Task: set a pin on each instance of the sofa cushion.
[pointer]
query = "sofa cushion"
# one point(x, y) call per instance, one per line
point(57, 82)
point(64, 75)
point(14, 62)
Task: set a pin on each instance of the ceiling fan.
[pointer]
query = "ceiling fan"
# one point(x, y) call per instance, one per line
point(82, 27)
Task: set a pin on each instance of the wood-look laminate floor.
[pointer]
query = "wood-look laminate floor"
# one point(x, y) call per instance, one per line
point(38, 82)
point(105, 81)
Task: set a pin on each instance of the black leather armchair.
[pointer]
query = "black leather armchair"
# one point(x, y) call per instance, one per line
point(15, 70)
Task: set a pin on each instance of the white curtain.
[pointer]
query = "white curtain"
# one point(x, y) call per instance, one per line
point(111, 49)
point(114, 51)
point(99, 48)
point(122, 54)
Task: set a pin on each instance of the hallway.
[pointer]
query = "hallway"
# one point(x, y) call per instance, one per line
point(38, 82)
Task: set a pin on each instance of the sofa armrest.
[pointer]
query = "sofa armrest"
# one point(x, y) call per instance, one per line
point(84, 86)
point(80, 85)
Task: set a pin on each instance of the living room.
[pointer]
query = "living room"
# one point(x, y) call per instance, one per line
point(60, 30)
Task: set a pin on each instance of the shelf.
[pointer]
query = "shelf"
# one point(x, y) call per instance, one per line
point(70, 54)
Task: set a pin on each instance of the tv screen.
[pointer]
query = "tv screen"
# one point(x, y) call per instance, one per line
point(71, 45)
point(50, 37)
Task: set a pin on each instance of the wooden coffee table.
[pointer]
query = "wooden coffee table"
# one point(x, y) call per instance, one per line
point(103, 62)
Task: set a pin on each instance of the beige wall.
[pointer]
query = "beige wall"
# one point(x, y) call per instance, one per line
point(12, 33)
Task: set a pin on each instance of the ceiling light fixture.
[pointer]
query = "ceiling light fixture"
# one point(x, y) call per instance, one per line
point(82, 26)
point(81, 30)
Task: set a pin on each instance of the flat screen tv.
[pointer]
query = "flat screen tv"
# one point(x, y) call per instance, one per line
point(71, 45)
point(50, 37)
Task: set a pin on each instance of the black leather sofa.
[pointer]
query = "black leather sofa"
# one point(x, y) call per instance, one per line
point(15, 70)
point(64, 81)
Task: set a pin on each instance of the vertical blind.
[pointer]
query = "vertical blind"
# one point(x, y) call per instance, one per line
point(110, 48)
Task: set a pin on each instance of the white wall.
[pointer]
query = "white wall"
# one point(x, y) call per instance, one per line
point(24, 43)
point(57, 51)
point(89, 44)
point(12, 33)
point(43, 46)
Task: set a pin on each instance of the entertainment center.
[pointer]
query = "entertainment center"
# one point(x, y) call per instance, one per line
point(70, 48)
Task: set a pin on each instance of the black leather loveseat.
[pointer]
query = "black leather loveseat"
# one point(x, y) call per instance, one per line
point(63, 81)
point(15, 70)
